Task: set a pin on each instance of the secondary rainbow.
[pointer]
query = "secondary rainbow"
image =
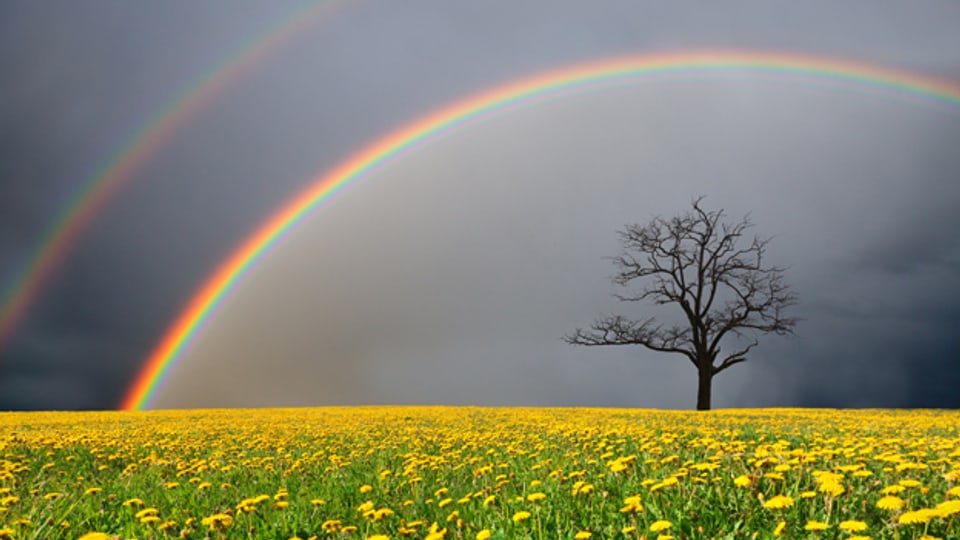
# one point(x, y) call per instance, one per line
point(98, 189)
point(537, 87)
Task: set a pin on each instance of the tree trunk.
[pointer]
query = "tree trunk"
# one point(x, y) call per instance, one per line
point(705, 379)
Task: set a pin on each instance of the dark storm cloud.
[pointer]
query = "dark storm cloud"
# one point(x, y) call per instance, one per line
point(416, 288)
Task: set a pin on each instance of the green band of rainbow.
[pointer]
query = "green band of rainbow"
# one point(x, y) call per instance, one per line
point(107, 180)
point(610, 71)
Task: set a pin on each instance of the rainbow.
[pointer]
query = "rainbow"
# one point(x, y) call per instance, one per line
point(446, 119)
point(96, 191)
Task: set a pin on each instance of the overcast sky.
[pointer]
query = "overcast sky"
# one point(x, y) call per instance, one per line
point(451, 274)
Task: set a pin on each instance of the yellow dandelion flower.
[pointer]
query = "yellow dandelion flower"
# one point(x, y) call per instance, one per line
point(582, 535)
point(815, 526)
point(922, 515)
point(436, 533)
point(378, 537)
point(858, 537)
point(444, 502)
point(318, 502)
point(280, 505)
point(833, 489)
point(664, 537)
point(628, 530)
point(217, 522)
point(149, 519)
point(853, 525)
point(536, 497)
point(808, 494)
point(660, 525)
point(909, 483)
point(779, 528)
point(777, 502)
point(92, 491)
point(742, 480)
point(892, 490)
point(349, 529)
point(489, 500)
point(331, 525)
point(483, 535)
point(521, 516)
point(133, 502)
point(88, 536)
point(891, 502)
point(954, 491)
point(147, 512)
point(8, 533)
point(948, 508)
point(928, 537)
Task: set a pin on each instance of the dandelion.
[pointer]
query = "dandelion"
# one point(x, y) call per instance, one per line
point(582, 535)
point(815, 526)
point(483, 535)
point(88, 536)
point(628, 530)
point(891, 502)
point(521, 516)
point(742, 480)
point(948, 508)
point(489, 500)
point(366, 488)
point(133, 502)
point(922, 515)
point(378, 537)
point(53, 495)
point(331, 525)
point(217, 522)
point(853, 526)
point(436, 533)
point(536, 497)
point(779, 528)
point(147, 512)
point(660, 525)
point(777, 502)
point(92, 491)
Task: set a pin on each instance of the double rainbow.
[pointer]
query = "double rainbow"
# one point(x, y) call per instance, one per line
point(87, 202)
point(530, 89)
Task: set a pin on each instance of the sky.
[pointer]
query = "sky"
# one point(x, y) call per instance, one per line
point(451, 274)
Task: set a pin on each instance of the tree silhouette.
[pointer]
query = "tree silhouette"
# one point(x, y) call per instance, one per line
point(717, 279)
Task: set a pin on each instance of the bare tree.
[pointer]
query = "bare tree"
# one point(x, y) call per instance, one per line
point(717, 278)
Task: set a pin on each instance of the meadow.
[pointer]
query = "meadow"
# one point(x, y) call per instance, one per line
point(376, 473)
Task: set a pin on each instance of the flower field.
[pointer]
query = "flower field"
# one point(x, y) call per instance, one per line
point(475, 473)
